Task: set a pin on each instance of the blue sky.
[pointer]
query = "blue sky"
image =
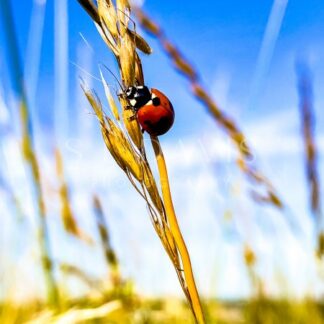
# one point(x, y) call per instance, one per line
point(217, 37)
point(223, 40)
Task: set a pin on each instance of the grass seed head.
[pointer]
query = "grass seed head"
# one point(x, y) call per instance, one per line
point(108, 16)
point(139, 71)
point(132, 127)
point(123, 5)
point(151, 188)
point(110, 98)
point(320, 245)
point(249, 256)
point(147, 23)
point(135, 165)
point(179, 61)
point(171, 244)
point(94, 102)
point(117, 143)
point(123, 12)
point(105, 130)
point(140, 42)
point(127, 60)
point(124, 150)
point(66, 211)
point(108, 39)
point(67, 215)
point(107, 136)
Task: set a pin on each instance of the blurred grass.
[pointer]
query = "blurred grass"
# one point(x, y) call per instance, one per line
point(225, 122)
point(27, 149)
point(308, 118)
point(114, 299)
point(168, 310)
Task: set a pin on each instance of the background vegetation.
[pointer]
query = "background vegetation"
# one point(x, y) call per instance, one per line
point(76, 241)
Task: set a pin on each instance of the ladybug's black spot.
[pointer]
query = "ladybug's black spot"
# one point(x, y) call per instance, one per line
point(156, 101)
point(159, 128)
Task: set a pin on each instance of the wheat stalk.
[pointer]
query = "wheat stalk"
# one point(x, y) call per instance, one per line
point(124, 139)
point(308, 118)
point(227, 123)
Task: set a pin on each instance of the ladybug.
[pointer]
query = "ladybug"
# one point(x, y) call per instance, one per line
point(152, 109)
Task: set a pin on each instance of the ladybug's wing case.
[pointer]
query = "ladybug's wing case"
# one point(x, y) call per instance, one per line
point(156, 119)
point(164, 100)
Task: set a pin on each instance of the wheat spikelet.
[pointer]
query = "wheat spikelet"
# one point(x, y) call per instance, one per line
point(110, 98)
point(108, 16)
point(132, 126)
point(124, 141)
point(127, 60)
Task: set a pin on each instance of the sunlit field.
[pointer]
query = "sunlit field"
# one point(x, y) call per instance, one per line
point(161, 162)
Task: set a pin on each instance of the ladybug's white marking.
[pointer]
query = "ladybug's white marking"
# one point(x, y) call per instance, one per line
point(132, 102)
point(140, 87)
point(149, 103)
point(153, 95)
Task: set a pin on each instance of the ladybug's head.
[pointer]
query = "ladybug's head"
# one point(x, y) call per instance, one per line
point(138, 96)
point(130, 92)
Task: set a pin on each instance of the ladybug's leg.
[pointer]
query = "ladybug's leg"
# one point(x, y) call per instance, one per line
point(120, 95)
point(131, 118)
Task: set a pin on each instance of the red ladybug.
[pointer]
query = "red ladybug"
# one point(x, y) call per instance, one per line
point(152, 108)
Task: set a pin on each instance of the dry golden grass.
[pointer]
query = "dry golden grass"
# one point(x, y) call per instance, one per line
point(109, 252)
point(114, 300)
point(67, 215)
point(307, 118)
point(124, 139)
point(227, 123)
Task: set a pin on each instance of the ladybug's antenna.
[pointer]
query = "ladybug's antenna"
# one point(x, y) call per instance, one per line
point(112, 73)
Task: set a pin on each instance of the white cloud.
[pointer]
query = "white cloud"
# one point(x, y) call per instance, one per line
point(197, 167)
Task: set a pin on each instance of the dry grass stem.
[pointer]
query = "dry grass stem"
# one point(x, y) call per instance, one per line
point(110, 255)
point(229, 126)
point(307, 117)
point(124, 139)
point(67, 215)
point(175, 229)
